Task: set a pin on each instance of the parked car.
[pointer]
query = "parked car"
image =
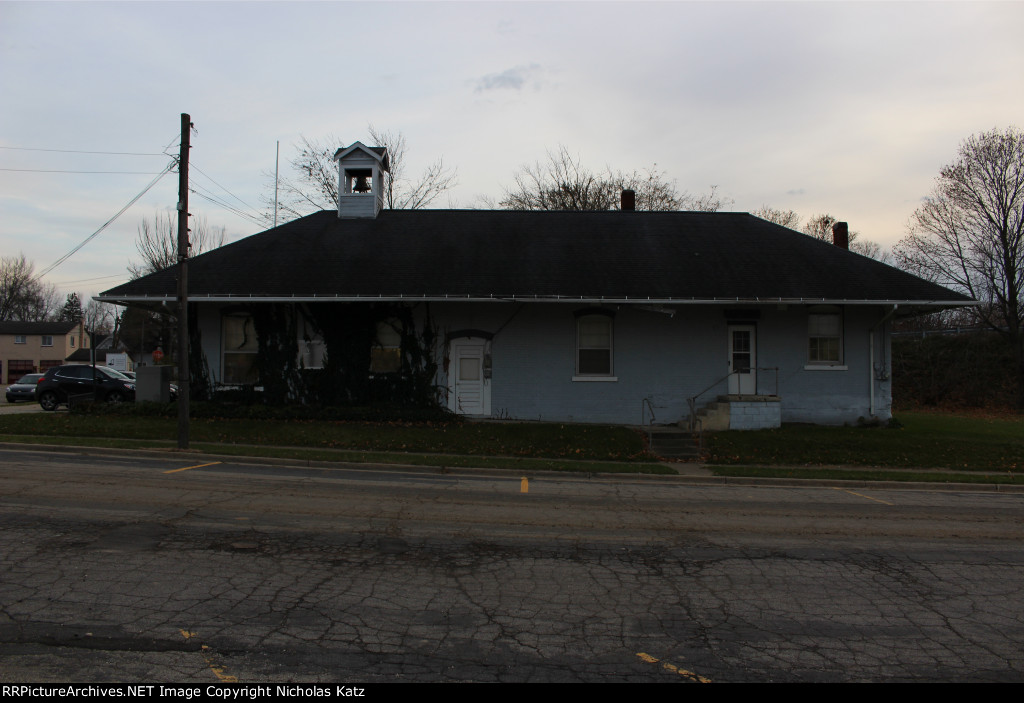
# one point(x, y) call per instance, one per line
point(24, 388)
point(61, 383)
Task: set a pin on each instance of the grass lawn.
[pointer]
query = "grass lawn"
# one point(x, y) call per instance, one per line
point(922, 440)
point(960, 443)
point(499, 445)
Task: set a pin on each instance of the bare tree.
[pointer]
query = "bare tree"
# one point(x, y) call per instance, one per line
point(401, 192)
point(313, 185)
point(101, 318)
point(563, 183)
point(157, 242)
point(969, 233)
point(23, 296)
point(786, 218)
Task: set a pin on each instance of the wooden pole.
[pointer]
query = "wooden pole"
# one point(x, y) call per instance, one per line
point(183, 247)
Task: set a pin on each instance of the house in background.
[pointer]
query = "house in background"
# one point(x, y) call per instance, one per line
point(107, 354)
point(564, 316)
point(30, 347)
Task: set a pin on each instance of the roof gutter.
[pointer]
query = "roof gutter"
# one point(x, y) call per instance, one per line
point(602, 300)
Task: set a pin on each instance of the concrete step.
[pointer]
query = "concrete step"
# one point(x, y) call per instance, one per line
point(674, 444)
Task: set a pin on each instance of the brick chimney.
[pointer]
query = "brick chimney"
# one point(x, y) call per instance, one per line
point(628, 202)
point(841, 235)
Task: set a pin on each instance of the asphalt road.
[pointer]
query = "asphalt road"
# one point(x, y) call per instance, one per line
point(134, 569)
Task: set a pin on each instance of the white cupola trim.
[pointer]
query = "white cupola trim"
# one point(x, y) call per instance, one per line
point(361, 171)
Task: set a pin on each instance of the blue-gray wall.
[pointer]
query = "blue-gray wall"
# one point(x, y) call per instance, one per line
point(664, 359)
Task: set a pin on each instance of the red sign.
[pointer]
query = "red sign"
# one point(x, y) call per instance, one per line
point(157, 355)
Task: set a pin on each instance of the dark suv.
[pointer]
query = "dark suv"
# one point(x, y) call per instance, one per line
point(62, 383)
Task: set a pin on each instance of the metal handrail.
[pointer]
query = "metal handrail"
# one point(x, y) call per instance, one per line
point(646, 405)
point(692, 400)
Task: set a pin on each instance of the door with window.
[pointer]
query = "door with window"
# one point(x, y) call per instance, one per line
point(742, 360)
point(469, 383)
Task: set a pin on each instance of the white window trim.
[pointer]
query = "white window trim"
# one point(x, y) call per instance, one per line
point(610, 376)
point(396, 327)
point(45, 337)
point(827, 364)
point(20, 339)
point(224, 351)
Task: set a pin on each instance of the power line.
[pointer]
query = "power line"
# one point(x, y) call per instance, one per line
point(79, 151)
point(106, 224)
point(42, 170)
point(222, 187)
point(90, 280)
point(220, 203)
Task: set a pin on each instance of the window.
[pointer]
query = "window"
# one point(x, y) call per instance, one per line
point(386, 353)
point(594, 346)
point(47, 340)
point(19, 339)
point(72, 341)
point(240, 348)
point(825, 337)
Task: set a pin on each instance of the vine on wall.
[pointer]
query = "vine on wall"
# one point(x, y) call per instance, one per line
point(278, 357)
point(200, 383)
point(349, 333)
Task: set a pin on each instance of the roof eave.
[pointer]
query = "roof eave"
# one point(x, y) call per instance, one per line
point(496, 298)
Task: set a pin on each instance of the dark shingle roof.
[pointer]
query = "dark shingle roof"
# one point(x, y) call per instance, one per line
point(666, 256)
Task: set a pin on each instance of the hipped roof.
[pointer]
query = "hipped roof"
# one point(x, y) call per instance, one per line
point(613, 256)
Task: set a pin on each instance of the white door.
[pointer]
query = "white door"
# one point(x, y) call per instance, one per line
point(469, 388)
point(742, 360)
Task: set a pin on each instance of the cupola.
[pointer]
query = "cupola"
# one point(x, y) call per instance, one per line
point(361, 171)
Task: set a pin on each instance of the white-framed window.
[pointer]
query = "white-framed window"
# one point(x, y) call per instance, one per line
point(47, 340)
point(594, 360)
point(311, 346)
point(72, 341)
point(386, 353)
point(825, 336)
point(19, 339)
point(239, 350)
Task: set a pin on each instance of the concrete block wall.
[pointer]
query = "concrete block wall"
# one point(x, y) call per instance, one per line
point(755, 414)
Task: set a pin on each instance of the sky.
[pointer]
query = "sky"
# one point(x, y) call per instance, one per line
point(847, 108)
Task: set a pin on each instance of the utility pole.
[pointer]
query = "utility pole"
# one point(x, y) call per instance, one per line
point(183, 247)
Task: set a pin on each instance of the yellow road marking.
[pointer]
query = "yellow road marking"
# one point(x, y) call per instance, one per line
point(524, 485)
point(861, 495)
point(644, 656)
point(207, 653)
point(197, 466)
point(218, 671)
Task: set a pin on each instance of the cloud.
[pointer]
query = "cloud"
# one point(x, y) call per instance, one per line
point(509, 79)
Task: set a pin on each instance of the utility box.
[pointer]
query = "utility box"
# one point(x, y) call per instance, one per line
point(153, 384)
